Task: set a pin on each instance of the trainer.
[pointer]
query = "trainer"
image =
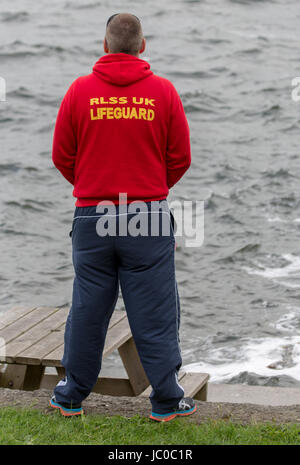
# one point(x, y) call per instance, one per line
point(121, 133)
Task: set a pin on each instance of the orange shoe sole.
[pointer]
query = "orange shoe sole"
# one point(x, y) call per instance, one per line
point(162, 418)
point(66, 412)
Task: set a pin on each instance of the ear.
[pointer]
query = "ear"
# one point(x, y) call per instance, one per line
point(143, 46)
point(105, 47)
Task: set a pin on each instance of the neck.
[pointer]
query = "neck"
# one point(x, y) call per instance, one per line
point(132, 54)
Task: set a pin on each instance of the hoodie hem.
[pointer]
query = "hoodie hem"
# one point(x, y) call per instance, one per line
point(92, 202)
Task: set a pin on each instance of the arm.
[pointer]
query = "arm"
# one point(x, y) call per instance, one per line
point(64, 141)
point(178, 146)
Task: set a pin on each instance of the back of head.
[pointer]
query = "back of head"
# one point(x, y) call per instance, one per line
point(124, 34)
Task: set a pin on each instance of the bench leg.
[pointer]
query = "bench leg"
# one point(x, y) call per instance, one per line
point(13, 376)
point(27, 377)
point(202, 394)
point(61, 371)
point(132, 363)
point(33, 377)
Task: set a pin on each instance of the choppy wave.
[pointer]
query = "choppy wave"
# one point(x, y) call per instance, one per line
point(237, 290)
point(20, 50)
point(19, 16)
point(268, 361)
point(249, 2)
point(287, 275)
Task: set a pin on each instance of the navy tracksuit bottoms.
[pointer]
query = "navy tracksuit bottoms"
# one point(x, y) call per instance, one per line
point(144, 267)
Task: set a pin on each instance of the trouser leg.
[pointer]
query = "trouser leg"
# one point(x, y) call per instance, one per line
point(147, 278)
point(95, 292)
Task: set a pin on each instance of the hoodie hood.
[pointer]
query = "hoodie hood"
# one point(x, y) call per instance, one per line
point(121, 69)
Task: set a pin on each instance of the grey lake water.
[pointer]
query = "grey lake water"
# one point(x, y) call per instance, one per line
point(232, 62)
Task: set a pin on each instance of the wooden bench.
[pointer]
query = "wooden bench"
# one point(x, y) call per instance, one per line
point(34, 340)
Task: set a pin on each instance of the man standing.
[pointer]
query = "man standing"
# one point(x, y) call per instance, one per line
point(121, 133)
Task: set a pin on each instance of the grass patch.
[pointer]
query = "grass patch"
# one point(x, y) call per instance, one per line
point(29, 426)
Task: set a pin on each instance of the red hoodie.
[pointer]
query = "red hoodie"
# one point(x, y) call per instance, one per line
point(121, 129)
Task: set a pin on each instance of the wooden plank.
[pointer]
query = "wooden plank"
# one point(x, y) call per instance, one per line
point(53, 358)
point(133, 366)
point(148, 391)
point(105, 386)
point(113, 387)
point(116, 317)
point(36, 354)
point(14, 314)
point(35, 335)
point(52, 345)
point(117, 334)
point(49, 381)
point(25, 323)
point(194, 385)
point(193, 382)
point(20, 337)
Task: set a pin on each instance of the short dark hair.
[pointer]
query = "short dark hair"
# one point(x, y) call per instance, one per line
point(124, 34)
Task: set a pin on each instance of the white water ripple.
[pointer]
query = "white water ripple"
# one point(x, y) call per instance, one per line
point(291, 271)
